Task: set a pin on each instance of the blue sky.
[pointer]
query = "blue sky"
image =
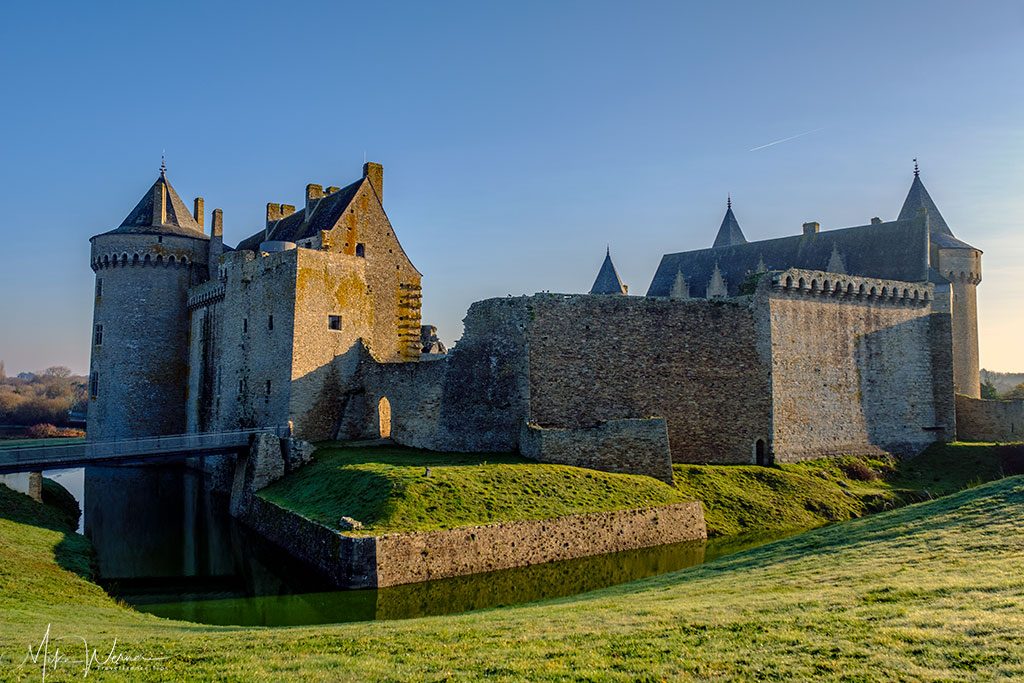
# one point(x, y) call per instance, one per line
point(518, 139)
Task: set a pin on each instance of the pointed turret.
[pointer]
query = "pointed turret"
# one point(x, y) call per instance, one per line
point(608, 281)
point(729, 234)
point(161, 211)
point(917, 199)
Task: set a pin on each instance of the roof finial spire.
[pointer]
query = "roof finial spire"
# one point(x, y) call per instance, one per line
point(728, 201)
point(608, 249)
point(917, 171)
point(163, 163)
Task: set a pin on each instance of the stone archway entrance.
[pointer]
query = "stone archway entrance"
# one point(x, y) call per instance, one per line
point(384, 417)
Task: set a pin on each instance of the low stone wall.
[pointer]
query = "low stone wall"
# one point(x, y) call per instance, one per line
point(978, 419)
point(630, 446)
point(394, 559)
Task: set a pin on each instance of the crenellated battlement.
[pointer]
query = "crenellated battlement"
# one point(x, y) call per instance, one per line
point(819, 283)
point(124, 260)
point(206, 293)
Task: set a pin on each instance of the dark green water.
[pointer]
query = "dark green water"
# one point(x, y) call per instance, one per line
point(167, 546)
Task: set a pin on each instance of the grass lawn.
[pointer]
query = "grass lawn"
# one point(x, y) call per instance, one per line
point(931, 591)
point(387, 489)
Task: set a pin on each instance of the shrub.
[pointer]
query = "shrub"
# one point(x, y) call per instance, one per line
point(49, 431)
point(858, 470)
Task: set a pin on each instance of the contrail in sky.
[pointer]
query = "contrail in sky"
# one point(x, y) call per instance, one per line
point(791, 137)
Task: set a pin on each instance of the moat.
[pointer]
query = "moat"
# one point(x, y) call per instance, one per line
point(166, 545)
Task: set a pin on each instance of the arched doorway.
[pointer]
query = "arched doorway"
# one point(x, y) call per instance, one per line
point(384, 417)
point(760, 454)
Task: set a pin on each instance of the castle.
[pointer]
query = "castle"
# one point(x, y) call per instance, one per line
point(827, 342)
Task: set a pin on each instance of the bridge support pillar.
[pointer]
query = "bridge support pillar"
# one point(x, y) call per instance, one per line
point(35, 486)
point(267, 459)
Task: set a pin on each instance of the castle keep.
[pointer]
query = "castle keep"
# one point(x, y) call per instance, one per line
point(828, 342)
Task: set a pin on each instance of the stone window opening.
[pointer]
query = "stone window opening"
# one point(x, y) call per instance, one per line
point(360, 250)
point(760, 453)
point(160, 240)
point(94, 384)
point(384, 417)
point(245, 325)
point(99, 287)
point(241, 386)
point(270, 322)
point(268, 387)
point(334, 322)
point(98, 336)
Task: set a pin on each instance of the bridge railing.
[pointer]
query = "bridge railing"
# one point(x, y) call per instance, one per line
point(148, 445)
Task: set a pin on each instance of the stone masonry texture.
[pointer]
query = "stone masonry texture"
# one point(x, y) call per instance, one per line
point(982, 420)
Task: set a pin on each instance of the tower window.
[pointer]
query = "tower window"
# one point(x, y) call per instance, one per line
point(334, 322)
point(245, 325)
point(94, 384)
point(241, 386)
point(98, 336)
point(270, 322)
point(99, 287)
point(361, 250)
point(268, 387)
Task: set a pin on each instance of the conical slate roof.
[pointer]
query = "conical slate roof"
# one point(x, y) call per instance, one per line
point(174, 219)
point(729, 234)
point(917, 199)
point(608, 281)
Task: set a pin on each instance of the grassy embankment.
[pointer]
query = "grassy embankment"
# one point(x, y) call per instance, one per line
point(926, 592)
point(388, 488)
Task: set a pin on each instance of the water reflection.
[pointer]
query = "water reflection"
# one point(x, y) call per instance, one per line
point(166, 545)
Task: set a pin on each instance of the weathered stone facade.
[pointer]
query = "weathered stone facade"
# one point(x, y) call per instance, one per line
point(631, 446)
point(394, 559)
point(808, 365)
point(982, 420)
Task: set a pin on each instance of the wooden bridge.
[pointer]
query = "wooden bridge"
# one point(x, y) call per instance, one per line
point(38, 457)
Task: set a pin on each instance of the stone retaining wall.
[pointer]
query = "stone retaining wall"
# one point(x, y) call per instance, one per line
point(980, 420)
point(394, 559)
point(637, 446)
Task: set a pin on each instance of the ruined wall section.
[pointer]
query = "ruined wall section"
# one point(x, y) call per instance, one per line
point(982, 420)
point(394, 284)
point(695, 363)
point(638, 446)
point(962, 267)
point(851, 365)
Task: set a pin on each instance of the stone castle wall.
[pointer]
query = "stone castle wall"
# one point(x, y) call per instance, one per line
point(637, 446)
point(983, 420)
point(852, 369)
point(695, 363)
point(789, 370)
point(395, 559)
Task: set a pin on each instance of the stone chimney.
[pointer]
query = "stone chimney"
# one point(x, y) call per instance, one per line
point(812, 228)
point(198, 213)
point(276, 212)
point(216, 236)
point(314, 192)
point(159, 204)
point(876, 221)
point(331, 190)
point(374, 172)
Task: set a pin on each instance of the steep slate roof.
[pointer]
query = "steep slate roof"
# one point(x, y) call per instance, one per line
point(897, 250)
point(608, 281)
point(919, 198)
point(296, 227)
point(179, 219)
point(730, 233)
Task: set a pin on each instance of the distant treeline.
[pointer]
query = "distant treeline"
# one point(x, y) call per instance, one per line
point(41, 398)
point(1002, 384)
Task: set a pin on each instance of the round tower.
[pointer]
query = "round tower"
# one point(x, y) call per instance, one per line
point(958, 263)
point(144, 268)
